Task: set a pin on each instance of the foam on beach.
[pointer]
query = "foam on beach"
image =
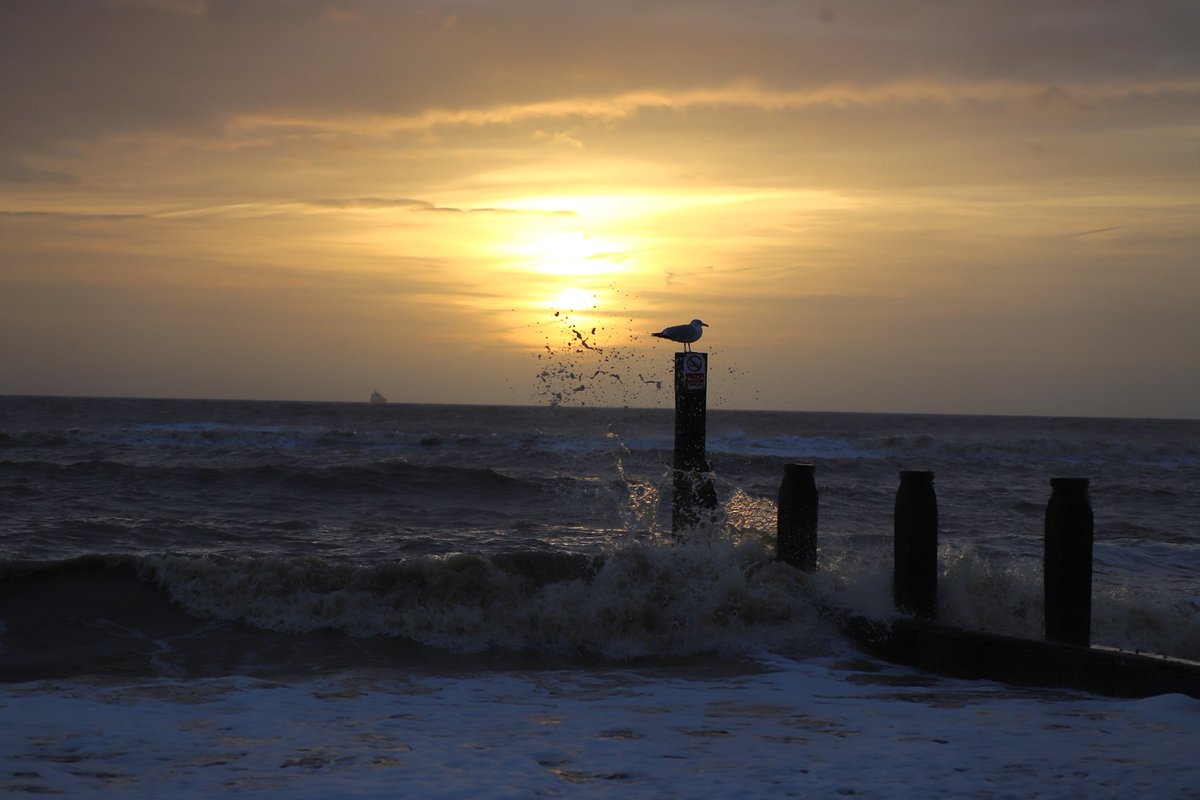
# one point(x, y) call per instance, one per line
point(822, 728)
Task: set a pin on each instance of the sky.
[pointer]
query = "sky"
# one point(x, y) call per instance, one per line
point(932, 206)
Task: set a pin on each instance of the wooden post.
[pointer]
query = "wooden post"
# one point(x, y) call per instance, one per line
point(796, 526)
point(1068, 562)
point(693, 485)
point(914, 587)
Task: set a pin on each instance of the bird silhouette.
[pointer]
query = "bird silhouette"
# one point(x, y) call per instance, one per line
point(685, 334)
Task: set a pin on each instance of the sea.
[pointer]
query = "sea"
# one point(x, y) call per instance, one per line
point(300, 599)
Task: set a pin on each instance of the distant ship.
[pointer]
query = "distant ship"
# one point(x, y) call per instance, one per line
point(377, 399)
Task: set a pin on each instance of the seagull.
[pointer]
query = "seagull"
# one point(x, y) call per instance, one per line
point(683, 333)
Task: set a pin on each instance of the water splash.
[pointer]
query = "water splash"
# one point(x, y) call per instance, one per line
point(644, 498)
point(598, 365)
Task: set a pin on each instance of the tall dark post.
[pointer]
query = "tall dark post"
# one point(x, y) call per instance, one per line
point(914, 587)
point(1068, 562)
point(693, 485)
point(796, 527)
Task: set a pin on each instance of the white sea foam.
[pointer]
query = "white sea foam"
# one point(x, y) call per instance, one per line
point(823, 728)
point(645, 599)
point(719, 590)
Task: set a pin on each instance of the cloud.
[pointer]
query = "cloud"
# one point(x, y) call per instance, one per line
point(193, 8)
point(1096, 231)
point(373, 203)
point(744, 94)
point(67, 216)
point(378, 203)
point(13, 171)
point(568, 138)
point(379, 67)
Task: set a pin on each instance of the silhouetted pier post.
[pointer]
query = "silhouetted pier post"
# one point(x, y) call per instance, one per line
point(796, 526)
point(915, 570)
point(693, 485)
point(1068, 562)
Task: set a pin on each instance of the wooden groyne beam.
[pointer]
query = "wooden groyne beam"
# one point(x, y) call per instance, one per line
point(977, 655)
point(1066, 659)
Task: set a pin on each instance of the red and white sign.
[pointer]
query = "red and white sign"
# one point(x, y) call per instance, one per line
point(694, 371)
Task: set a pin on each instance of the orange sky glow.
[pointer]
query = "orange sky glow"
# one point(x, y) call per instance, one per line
point(876, 205)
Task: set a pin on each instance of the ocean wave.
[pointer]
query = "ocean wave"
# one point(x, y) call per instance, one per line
point(646, 600)
point(935, 448)
point(391, 474)
point(639, 601)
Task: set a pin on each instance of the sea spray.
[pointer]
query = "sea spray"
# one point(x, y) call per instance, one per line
point(987, 593)
point(595, 365)
point(643, 498)
point(750, 519)
point(856, 580)
point(1132, 620)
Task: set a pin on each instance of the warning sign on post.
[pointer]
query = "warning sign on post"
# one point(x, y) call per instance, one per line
point(694, 371)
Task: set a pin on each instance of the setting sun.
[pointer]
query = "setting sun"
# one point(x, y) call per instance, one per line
point(573, 299)
point(572, 253)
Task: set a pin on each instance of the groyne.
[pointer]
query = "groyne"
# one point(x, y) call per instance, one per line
point(1065, 659)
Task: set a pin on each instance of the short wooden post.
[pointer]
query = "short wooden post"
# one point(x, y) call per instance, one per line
point(796, 526)
point(914, 587)
point(1068, 562)
point(693, 484)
